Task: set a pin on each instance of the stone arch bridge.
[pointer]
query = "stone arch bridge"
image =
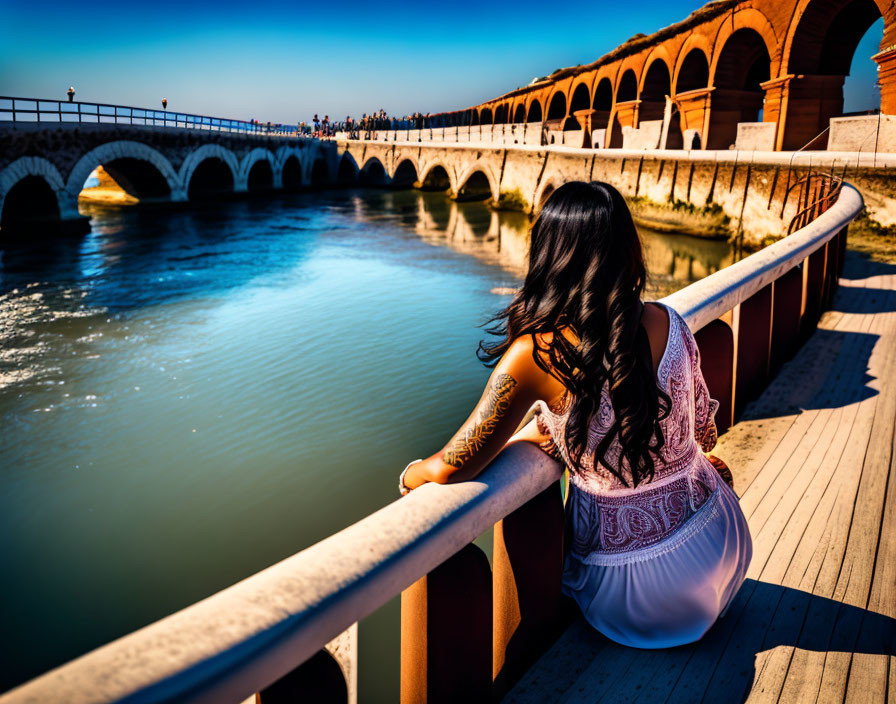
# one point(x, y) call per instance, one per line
point(43, 170)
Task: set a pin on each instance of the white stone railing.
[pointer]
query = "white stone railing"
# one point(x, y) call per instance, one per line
point(246, 637)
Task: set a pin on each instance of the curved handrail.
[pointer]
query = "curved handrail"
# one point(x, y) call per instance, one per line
point(247, 636)
point(707, 299)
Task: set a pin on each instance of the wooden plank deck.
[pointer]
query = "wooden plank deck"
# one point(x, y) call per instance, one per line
point(813, 460)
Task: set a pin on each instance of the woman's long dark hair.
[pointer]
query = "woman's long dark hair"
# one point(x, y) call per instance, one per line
point(586, 274)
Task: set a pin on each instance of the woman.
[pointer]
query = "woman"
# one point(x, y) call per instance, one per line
point(660, 545)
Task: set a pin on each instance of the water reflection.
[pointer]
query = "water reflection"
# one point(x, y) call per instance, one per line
point(502, 238)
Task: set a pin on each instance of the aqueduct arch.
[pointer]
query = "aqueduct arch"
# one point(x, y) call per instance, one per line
point(741, 67)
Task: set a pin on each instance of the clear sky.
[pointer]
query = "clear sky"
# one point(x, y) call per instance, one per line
point(284, 62)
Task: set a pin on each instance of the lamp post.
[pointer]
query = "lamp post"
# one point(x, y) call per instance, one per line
point(70, 93)
point(164, 103)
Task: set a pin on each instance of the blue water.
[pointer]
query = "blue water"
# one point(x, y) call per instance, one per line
point(190, 396)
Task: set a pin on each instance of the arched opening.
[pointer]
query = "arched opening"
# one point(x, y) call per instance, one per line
point(436, 180)
point(694, 72)
point(28, 207)
point(476, 187)
point(557, 108)
point(348, 170)
point(210, 179)
point(615, 133)
point(534, 114)
point(474, 118)
point(571, 124)
point(628, 87)
point(125, 181)
point(292, 173)
point(743, 65)
point(674, 133)
point(545, 195)
point(261, 176)
point(405, 175)
point(520, 115)
point(373, 173)
point(581, 100)
point(602, 105)
point(657, 85)
point(485, 116)
point(823, 53)
point(320, 173)
point(501, 115)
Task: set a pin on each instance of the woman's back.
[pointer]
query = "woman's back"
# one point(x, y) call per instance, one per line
point(616, 517)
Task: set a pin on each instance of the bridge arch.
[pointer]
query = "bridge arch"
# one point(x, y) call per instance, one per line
point(405, 175)
point(32, 193)
point(581, 98)
point(519, 113)
point(656, 84)
point(501, 113)
point(211, 169)
point(477, 183)
point(348, 172)
point(373, 173)
point(257, 171)
point(436, 177)
point(485, 116)
point(542, 194)
point(740, 67)
point(819, 49)
point(602, 105)
point(126, 162)
point(693, 71)
point(533, 112)
point(320, 175)
point(627, 89)
point(557, 106)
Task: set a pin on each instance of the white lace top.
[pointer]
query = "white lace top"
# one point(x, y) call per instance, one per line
point(613, 523)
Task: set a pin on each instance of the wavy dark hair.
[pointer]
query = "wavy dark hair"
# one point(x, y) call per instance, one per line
point(586, 275)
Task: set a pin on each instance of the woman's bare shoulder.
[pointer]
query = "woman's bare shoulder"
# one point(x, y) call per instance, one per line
point(657, 322)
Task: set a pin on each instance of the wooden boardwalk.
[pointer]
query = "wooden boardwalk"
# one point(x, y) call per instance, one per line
point(813, 460)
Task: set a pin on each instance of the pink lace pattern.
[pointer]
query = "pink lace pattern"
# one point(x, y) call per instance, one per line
point(614, 523)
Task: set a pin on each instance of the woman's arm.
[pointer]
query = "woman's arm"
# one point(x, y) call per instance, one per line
point(515, 384)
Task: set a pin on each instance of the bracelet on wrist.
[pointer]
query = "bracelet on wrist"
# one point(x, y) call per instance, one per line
point(402, 487)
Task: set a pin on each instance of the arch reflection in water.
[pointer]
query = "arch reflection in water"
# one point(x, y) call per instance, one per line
point(502, 238)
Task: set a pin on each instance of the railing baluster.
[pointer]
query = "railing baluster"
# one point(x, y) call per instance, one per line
point(753, 338)
point(446, 633)
point(528, 565)
point(716, 343)
point(787, 298)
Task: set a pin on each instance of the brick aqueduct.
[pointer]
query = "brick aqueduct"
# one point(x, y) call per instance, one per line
point(727, 63)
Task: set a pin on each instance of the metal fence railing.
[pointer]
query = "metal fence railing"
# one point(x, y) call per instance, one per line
point(28, 111)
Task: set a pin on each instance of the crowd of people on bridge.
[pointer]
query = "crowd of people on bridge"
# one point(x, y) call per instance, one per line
point(368, 125)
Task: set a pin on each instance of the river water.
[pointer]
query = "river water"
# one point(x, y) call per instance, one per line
point(189, 396)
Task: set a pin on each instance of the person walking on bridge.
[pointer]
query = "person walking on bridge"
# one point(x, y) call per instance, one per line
point(660, 545)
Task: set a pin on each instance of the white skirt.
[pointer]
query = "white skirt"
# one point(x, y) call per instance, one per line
point(672, 597)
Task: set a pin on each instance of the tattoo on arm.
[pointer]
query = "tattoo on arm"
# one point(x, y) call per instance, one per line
point(471, 439)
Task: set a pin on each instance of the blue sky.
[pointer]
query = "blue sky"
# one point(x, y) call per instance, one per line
point(283, 63)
